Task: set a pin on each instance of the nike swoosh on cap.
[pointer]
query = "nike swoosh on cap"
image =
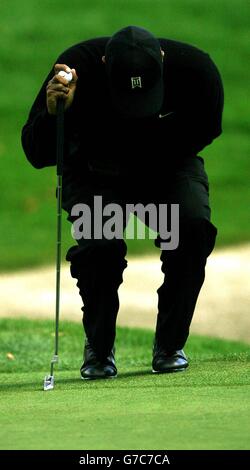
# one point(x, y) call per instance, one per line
point(165, 115)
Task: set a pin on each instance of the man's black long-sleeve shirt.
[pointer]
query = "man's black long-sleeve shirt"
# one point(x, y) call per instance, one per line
point(98, 140)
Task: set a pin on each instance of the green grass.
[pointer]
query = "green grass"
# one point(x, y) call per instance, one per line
point(207, 407)
point(33, 33)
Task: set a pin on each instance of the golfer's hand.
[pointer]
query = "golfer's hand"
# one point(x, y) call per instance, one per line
point(59, 87)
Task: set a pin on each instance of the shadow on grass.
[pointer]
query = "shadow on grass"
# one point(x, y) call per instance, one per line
point(33, 385)
point(24, 387)
point(195, 377)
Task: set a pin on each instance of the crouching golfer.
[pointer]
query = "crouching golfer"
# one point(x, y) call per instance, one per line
point(138, 110)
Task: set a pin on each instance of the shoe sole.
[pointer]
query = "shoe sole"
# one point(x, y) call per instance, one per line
point(169, 371)
point(99, 378)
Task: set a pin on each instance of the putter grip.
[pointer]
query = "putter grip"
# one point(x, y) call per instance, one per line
point(60, 136)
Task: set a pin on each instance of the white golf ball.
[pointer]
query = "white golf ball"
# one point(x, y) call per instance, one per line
point(66, 75)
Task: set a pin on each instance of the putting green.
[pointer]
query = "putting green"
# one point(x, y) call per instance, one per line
point(207, 407)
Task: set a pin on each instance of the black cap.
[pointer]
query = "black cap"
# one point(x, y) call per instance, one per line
point(134, 69)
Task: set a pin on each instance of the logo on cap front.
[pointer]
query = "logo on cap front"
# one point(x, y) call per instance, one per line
point(136, 82)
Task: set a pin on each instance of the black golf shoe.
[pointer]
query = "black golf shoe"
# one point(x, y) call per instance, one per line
point(164, 362)
point(94, 368)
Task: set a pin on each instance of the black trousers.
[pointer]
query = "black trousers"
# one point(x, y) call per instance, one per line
point(98, 264)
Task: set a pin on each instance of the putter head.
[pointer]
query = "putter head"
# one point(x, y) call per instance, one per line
point(48, 382)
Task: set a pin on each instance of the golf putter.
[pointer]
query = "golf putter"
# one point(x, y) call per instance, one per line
point(49, 380)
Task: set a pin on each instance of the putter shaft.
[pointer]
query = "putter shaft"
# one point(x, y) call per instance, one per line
point(49, 380)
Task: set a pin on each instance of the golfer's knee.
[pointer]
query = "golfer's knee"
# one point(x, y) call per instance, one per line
point(199, 235)
point(196, 238)
point(105, 256)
